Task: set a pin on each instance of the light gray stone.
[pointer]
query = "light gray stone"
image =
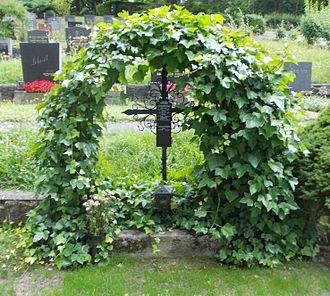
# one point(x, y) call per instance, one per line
point(175, 243)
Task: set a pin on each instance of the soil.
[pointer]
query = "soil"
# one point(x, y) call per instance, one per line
point(32, 284)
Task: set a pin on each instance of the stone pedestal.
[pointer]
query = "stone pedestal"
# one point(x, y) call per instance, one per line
point(22, 97)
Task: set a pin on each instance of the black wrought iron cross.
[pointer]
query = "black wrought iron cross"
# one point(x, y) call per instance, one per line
point(160, 104)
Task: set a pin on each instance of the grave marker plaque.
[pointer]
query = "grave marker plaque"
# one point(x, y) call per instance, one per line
point(107, 19)
point(40, 61)
point(303, 79)
point(6, 46)
point(74, 24)
point(38, 36)
point(89, 19)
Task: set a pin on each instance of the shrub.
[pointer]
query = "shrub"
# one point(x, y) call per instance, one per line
point(313, 172)
point(12, 13)
point(316, 24)
point(275, 19)
point(63, 6)
point(280, 31)
point(38, 6)
point(255, 22)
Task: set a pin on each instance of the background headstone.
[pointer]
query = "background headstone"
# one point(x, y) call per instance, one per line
point(6, 46)
point(107, 19)
point(31, 22)
point(74, 24)
point(40, 61)
point(55, 23)
point(303, 71)
point(49, 15)
point(47, 27)
point(38, 36)
point(89, 19)
point(74, 37)
point(70, 18)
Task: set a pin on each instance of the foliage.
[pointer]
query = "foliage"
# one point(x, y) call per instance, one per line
point(315, 25)
point(314, 103)
point(280, 31)
point(38, 6)
point(17, 168)
point(256, 22)
point(275, 19)
point(12, 13)
point(41, 86)
point(313, 171)
point(63, 6)
point(241, 119)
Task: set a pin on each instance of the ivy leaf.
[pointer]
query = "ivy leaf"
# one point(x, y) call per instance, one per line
point(231, 195)
point(201, 213)
point(218, 115)
point(227, 230)
point(254, 160)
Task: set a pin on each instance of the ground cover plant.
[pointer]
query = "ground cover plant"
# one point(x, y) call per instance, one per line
point(241, 120)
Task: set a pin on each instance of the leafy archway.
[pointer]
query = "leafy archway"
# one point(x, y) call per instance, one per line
point(242, 119)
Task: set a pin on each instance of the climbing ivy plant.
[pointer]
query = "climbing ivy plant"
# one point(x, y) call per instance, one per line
point(241, 118)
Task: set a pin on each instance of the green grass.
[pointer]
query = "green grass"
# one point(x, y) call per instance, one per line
point(193, 276)
point(26, 112)
point(304, 52)
point(10, 70)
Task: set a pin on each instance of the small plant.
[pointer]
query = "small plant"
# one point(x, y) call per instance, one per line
point(100, 212)
point(39, 86)
point(280, 32)
point(294, 33)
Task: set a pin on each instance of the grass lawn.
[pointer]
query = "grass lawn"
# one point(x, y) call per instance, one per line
point(185, 276)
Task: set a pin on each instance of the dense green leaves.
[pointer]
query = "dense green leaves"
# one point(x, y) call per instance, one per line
point(240, 118)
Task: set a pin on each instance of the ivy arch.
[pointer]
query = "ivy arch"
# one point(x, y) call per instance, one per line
point(242, 120)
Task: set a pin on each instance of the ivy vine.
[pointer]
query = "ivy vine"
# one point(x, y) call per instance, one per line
point(242, 119)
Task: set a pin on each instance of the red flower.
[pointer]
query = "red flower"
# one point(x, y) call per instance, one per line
point(40, 86)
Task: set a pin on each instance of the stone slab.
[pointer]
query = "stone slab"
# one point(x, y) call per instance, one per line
point(173, 244)
point(16, 195)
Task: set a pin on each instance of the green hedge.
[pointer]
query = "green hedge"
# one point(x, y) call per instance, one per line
point(315, 25)
point(313, 172)
point(256, 22)
point(276, 19)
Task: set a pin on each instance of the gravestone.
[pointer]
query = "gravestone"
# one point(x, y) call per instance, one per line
point(107, 19)
point(38, 36)
point(49, 15)
point(89, 19)
point(74, 24)
point(55, 23)
point(6, 46)
point(76, 37)
point(31, 22)
point(40, 61)
point(47, 27)
point(70, 18)
point(303, 72)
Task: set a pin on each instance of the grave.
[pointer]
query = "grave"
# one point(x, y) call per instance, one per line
point(107, 19)
point(74, 24)
point(47, 27)
point(70, 18)
point(38, 36)
point(74, 37)
point(303, 72)
point(48, 15)
point(31, 22)
point(40, 61)
point(6, 46)
point(55, 23)
point(89, 19)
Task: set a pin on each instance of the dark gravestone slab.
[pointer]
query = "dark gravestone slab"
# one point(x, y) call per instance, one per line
point(6, 46)
point(89, 19)
point(303, 71)
point(107, 19)
point(38, 36)
point(76, 32)
point(55, 23)
point(40, 61)
point(49, 15)
point(47, 27)
point(74, 24)
point(70, 18)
